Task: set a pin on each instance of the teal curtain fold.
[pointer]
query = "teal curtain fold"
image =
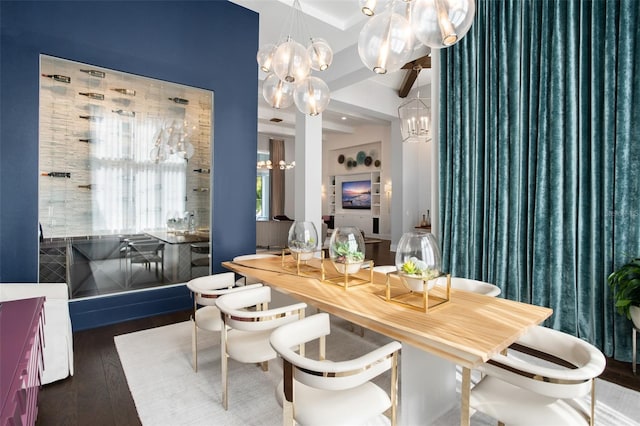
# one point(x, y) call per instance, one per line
point(540, 157)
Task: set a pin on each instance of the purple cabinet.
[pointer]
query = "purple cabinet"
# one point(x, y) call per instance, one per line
point(21, 340)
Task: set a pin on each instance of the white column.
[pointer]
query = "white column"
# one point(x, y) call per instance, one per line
point(435, 142)
point(308, 170)
point(397, 198)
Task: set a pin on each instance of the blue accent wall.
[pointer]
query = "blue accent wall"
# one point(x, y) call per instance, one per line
point(206, 44)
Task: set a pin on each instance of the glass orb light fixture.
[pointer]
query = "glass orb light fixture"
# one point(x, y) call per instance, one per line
point(291, 62)
point(265, 57)
point(371, 7)
point(385, 43)
point(311, 96)
point(320, 54)
point(442, 23)
point(276, 92)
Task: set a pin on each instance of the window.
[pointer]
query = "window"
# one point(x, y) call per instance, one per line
point(262, 189)
point(123, 159)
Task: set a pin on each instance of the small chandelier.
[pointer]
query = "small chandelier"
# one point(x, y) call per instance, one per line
point(282, 165)
point(415, 118)
point(289, 66)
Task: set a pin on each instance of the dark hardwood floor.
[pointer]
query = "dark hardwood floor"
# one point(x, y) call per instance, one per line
point(98, 394)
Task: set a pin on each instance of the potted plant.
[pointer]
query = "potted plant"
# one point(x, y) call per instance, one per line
point(625, 284)
point(346, 249)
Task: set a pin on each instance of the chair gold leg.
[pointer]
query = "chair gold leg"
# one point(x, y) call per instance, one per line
point(593, 403)
point(465, 394)
point(287, 413)
point(194, 347)
point(223, 367)
point(634, 349)
point(264, 365)
point(394, 390)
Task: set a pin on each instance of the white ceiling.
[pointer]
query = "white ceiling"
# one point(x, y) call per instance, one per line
point(357, 94)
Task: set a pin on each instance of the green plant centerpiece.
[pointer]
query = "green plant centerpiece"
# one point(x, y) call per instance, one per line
point(625, 284)
point(346, 249)
point(418, 260)
point(302, 240)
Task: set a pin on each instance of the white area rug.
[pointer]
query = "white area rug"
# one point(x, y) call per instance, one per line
point(166, 390)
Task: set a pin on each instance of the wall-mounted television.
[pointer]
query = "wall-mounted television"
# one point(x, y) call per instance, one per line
point(356, 195)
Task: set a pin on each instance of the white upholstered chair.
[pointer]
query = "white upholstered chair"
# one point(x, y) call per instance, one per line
point(206, 316)
point(248, 325)
point(457, 283)
point(472, 286)
point(244, 280)
point(517, 389)
point(316, 391)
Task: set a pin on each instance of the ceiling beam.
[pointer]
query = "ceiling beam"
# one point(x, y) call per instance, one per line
point(413, 68)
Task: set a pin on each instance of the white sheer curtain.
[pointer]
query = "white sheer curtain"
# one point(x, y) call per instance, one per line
point(132, 192)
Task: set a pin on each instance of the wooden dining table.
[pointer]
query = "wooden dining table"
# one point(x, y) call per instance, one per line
point(466, 330)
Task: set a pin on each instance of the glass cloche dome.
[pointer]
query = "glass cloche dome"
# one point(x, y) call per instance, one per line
point(418, 260)
point(346, 249)
point(302, 240)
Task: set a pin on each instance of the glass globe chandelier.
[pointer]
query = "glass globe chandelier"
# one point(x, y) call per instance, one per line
point(385, 43)
point(268, 164)
point(289, 64)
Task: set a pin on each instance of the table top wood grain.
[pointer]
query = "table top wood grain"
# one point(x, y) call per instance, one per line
point(468, 330)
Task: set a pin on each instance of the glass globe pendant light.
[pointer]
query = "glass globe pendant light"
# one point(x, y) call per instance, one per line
point(265, 57)
point(385, 43)
point(291, 62)
point(311, 96)
point(442, 23)
point(371, 7)
point(276, 92)
point(320, 54)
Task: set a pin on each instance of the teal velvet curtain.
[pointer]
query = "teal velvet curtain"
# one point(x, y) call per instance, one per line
point(540, 157)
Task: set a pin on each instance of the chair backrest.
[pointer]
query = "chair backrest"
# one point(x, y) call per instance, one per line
point(236, 315)
point(472, 286)
point(253, 256)
point(200, 286)
point(323, 374)
point(385, 269)
point(585, 363)
point(146, 247)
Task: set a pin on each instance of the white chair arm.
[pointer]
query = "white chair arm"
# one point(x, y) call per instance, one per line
point(212, 282)
point(226, 290)
point(269, 313)
point(244, 299)
point(348, 374)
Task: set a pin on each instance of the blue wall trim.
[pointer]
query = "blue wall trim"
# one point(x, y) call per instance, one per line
point(97, 312)
point(206, 44)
